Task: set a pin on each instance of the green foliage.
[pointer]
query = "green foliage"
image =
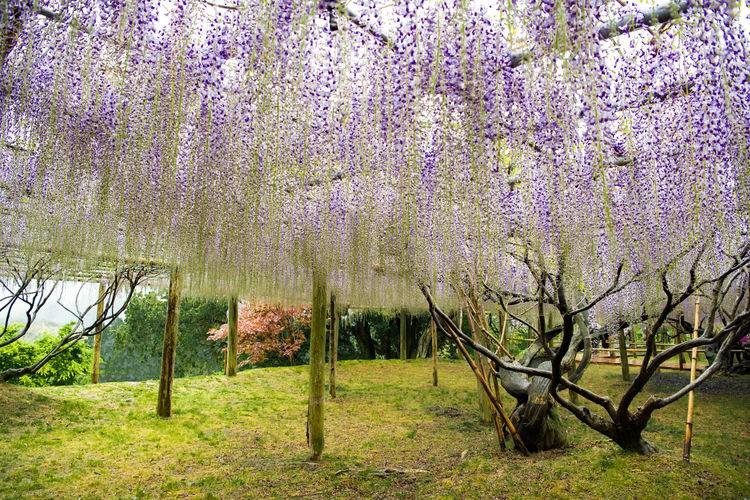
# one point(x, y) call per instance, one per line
point(135, 353)
point(380, 328)
point(69, 367)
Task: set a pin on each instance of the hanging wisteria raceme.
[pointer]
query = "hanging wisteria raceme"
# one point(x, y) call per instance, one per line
point(249, 142)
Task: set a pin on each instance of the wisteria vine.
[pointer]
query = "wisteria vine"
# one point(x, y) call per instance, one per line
point(251, 140)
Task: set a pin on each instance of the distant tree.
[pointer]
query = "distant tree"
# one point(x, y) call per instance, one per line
point(135, 353)
point(69, 367)
point(267, 334)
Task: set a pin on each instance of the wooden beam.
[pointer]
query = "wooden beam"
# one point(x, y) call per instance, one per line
point(433, 335)
point(624, 363)
point(164, 404)
point(315, 430)
point(232, 318)
point(98, 336)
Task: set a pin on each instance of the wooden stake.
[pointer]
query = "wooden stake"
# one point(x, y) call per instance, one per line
point(496, 403)
point(98, 337)
point(334, 352)
point(315, 437)
point(502, 330)
point(498, 427)
point(433, 335)
point(232, 318)
point(402, 334)
point(691, 394)
point(164, 405)
point(485, 405)
point(624, 362)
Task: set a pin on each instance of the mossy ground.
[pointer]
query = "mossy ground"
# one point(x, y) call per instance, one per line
point(389, 433)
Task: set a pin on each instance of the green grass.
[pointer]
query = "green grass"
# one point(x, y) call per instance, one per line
point(389, 433)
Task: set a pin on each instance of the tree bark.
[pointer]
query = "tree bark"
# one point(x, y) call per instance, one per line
point(164, 405)
point(632, 440)
point(364, 340)
point(535, 417)
point(315, 437)
point(334, 345)
point(98, 336)
point(232, 318)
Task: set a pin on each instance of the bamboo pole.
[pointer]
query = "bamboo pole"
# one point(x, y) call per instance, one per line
point(433, 335)
point(98, 337)
point(334, 346)
point(483, 399)
point(315, 434)
point(496, 403)
point(232, 318)
point(498, 427)
point(691, 394)
point(624, 362)
point(164, 404)
point(502, 330)
point(402, 334)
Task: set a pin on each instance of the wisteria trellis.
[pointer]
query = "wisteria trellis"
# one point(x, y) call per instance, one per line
point(251, 140)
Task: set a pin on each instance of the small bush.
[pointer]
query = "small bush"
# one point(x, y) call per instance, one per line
point(69, 367)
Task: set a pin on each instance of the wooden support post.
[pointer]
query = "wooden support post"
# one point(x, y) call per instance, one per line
point(334, 347)
point(98, 336)
point(232, 319)
point(483, 399)
point(503, 342)
point(681, 359)
point(164, 405)
point(402, 334)
point(496, 420)
point(433, 336)
point(315, 438)
point(496, 402)
point(691, 394)
point(624, 362)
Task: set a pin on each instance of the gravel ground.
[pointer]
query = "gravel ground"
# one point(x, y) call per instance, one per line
point(719, 384)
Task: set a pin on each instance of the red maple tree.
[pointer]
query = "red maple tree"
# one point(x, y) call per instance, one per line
point(265, 329)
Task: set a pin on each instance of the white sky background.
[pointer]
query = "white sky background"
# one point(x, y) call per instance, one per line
point(54, 315)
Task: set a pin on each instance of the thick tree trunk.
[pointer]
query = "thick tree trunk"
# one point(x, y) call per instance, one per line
point(98, 337)
point(536, 418)
point(365, 344)
point(631, 440)
point(315, 438)
point(231, 365)
point(164, 405)
point(334, 352)
point(423, 345)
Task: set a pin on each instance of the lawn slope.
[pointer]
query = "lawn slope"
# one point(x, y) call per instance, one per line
point(389, 433)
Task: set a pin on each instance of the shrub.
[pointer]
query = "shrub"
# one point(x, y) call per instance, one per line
point(69, 367)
